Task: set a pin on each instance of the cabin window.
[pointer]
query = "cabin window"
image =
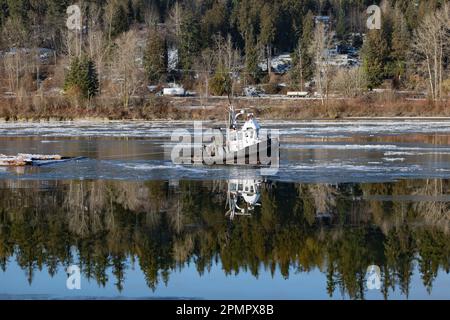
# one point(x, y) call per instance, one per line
point(250, 133)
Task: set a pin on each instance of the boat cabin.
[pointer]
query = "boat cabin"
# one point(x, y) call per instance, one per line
point(248, 135)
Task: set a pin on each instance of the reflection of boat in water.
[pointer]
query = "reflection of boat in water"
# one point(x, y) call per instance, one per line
point(243, 196)
point(242, 145)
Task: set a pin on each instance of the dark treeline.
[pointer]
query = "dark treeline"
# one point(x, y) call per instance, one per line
point(217, 46)
point(163, 227)
point(279, 23)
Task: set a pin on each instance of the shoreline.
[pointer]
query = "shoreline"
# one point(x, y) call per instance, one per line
point(215, 109)
point(106, 120)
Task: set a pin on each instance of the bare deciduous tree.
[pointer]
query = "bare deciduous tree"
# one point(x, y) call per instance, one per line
point(319, 48)
point(204, 65)
point(175, 19)
point(109, 16)
point(227, 56)
point(431, 45)
point(11, 63)
point(19, 67)
point(151, 16)
point(13, 33)
point(98, 46)
point(98, 51)
point(350, 82)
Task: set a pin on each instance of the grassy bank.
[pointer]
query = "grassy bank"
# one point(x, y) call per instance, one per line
point(160, 108)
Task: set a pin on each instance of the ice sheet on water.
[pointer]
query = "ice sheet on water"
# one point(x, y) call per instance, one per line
point(342, 128)
point(304, 171)
point(334, 167)
point(362, 127)
point(159, 166)
point(381, 147)
point(327, 172)
point(93, 129)
point(394, 159)
point(399, 153)
point(346, 162)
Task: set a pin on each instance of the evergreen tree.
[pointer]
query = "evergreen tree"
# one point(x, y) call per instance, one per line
point(82, 78)
point(409, 9)
point(18, 9)
point(215, 21)
point(3, 12)
point(302, 59)
point(221, 82)
point(73, 76)
point(139, 11)
point(303, 66)
point(268, 31)
point(190, 41)
point(91, 82)
point(155, 56)
point(119, 23)
point(130, 13)
point(401, 39)
point(51, 25)
point(340, 25)
point(251, 59)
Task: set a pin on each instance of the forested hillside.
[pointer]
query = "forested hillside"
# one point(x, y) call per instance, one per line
point(219, 47)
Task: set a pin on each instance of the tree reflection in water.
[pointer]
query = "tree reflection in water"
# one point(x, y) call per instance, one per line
point(338, 229)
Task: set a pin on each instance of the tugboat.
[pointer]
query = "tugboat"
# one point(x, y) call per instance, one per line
point(245, 145)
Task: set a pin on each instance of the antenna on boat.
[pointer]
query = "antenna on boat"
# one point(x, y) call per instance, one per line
point(231, 113)
point(232, 117)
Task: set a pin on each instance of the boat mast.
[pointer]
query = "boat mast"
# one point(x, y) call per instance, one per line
point(233, 117)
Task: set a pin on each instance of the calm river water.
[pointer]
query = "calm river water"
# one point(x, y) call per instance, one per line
point(347, 195)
